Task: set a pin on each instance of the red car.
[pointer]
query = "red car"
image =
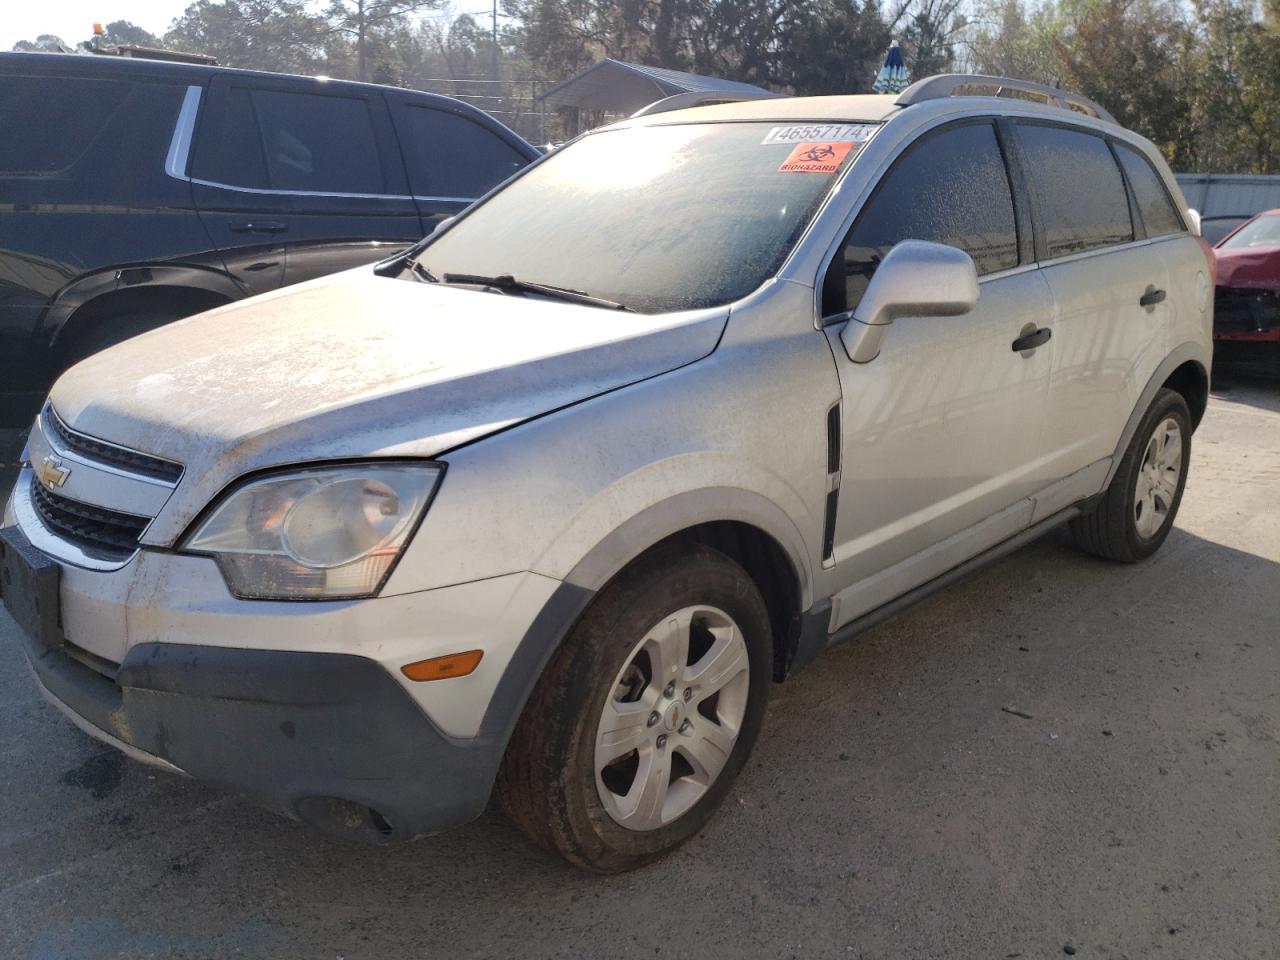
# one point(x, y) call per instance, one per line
point(1247, 302)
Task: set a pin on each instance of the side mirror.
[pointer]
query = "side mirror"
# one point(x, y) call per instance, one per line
point(1194, 216)
point(915, 279)
point(441, 225)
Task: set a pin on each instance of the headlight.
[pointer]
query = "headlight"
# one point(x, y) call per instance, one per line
point(321, 533)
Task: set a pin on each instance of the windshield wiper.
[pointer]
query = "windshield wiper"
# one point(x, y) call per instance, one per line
point(509, 284)
point(421, 272)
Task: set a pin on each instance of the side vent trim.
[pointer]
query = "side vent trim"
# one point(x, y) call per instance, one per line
point(834, 433)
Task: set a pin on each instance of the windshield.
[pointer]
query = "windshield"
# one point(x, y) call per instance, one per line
point(653, 218)
point(1262, 232)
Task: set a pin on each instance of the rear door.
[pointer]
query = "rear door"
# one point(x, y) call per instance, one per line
point(299, 178)
point(452, 156)
point(1110, 295)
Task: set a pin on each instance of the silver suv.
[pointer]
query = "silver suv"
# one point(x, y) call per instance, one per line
point(548, 502)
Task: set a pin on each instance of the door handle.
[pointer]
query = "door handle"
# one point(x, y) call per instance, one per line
point(1029, 341)
point(259, 226)
point(1151, 297)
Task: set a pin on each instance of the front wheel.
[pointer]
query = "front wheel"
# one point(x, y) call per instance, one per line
point(646, 714)
point(1136, 512)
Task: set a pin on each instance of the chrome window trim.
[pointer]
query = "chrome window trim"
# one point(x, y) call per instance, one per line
point(179, 156)
point(44, 540)
point(324, 193)
point(175, 163)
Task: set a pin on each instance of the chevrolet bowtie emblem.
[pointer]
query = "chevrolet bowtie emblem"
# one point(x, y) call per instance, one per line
point(52, 472)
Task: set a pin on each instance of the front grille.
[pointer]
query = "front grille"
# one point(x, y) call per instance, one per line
point(101, 533)
point(108, 453)
point(1246, 310)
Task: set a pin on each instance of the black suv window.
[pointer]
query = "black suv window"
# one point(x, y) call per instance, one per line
point(1159, 215)
point(950, 187)
point(278, 140)
point(1082, 196)
point(451, 156)
point(72, 113)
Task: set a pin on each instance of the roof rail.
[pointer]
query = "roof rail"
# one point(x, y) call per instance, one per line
point(699, 98)
point(977, 85)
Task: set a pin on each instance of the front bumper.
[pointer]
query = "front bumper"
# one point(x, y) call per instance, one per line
point(328, 738)
point(300, 705)
point(1246, 313)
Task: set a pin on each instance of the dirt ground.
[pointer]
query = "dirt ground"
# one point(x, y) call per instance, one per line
point(895, 808)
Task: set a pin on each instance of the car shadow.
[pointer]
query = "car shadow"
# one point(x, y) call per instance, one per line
point(1242, 376)
point(972, 751)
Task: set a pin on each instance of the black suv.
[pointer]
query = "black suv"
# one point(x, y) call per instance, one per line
point(136, 192)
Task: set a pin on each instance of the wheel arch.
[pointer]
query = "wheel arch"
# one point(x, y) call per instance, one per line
point(1185, 370)
point(109, 293)
point(747, 527)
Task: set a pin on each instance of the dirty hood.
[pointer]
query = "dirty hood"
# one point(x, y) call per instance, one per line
point(1250, 267)
point(358, 365)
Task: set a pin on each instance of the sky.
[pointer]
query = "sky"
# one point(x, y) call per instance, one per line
point(73, 20)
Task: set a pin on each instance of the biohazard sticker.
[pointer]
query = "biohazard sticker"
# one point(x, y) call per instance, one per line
point(816, 158)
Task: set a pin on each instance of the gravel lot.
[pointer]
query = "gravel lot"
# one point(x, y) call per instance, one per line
point(894, 808)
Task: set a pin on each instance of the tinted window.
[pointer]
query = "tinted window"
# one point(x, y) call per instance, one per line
point(1082, 197)
point(272, 139)
point(318, 143)
point(1159, 215)
point(451, 156)
point(950, 187)
point(229, 149)
point(47, 123)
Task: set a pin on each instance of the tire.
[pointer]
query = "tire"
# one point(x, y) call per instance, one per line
point(549, 783)
point(1126, 525)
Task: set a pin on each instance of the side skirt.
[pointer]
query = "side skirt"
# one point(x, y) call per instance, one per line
point(815, 621)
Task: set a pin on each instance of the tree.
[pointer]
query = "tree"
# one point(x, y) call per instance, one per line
point(362, 20)
point(279, 35)
point(44, 43)
point(122, 31)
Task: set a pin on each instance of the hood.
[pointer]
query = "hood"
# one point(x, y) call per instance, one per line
point(359, 365)
point(1249, 267)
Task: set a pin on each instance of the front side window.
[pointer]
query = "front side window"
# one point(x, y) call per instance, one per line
point(655, 218)
point(950, 187)
point(1159, 215)
point(277, 140)
point(449, 155)
point(1082, 196)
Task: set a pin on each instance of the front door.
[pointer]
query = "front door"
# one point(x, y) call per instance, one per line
point(941, 431)
point(296, 179)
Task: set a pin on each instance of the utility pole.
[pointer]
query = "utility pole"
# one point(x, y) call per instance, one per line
point(494, 68)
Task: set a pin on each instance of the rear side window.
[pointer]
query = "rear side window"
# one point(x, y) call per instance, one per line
point(1082, 196)
point(452, 156)
point(277, 140)
point(1159, 215)
point(49, 123)
point(949, 187)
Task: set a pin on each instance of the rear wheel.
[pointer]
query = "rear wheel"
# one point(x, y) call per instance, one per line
point(645, 715)
point(1137, 511)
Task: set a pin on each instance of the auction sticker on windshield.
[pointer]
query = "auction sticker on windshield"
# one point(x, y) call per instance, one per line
point(844, 132)
point(816, 158)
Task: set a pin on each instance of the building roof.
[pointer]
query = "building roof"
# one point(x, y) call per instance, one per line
point(620, 87)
